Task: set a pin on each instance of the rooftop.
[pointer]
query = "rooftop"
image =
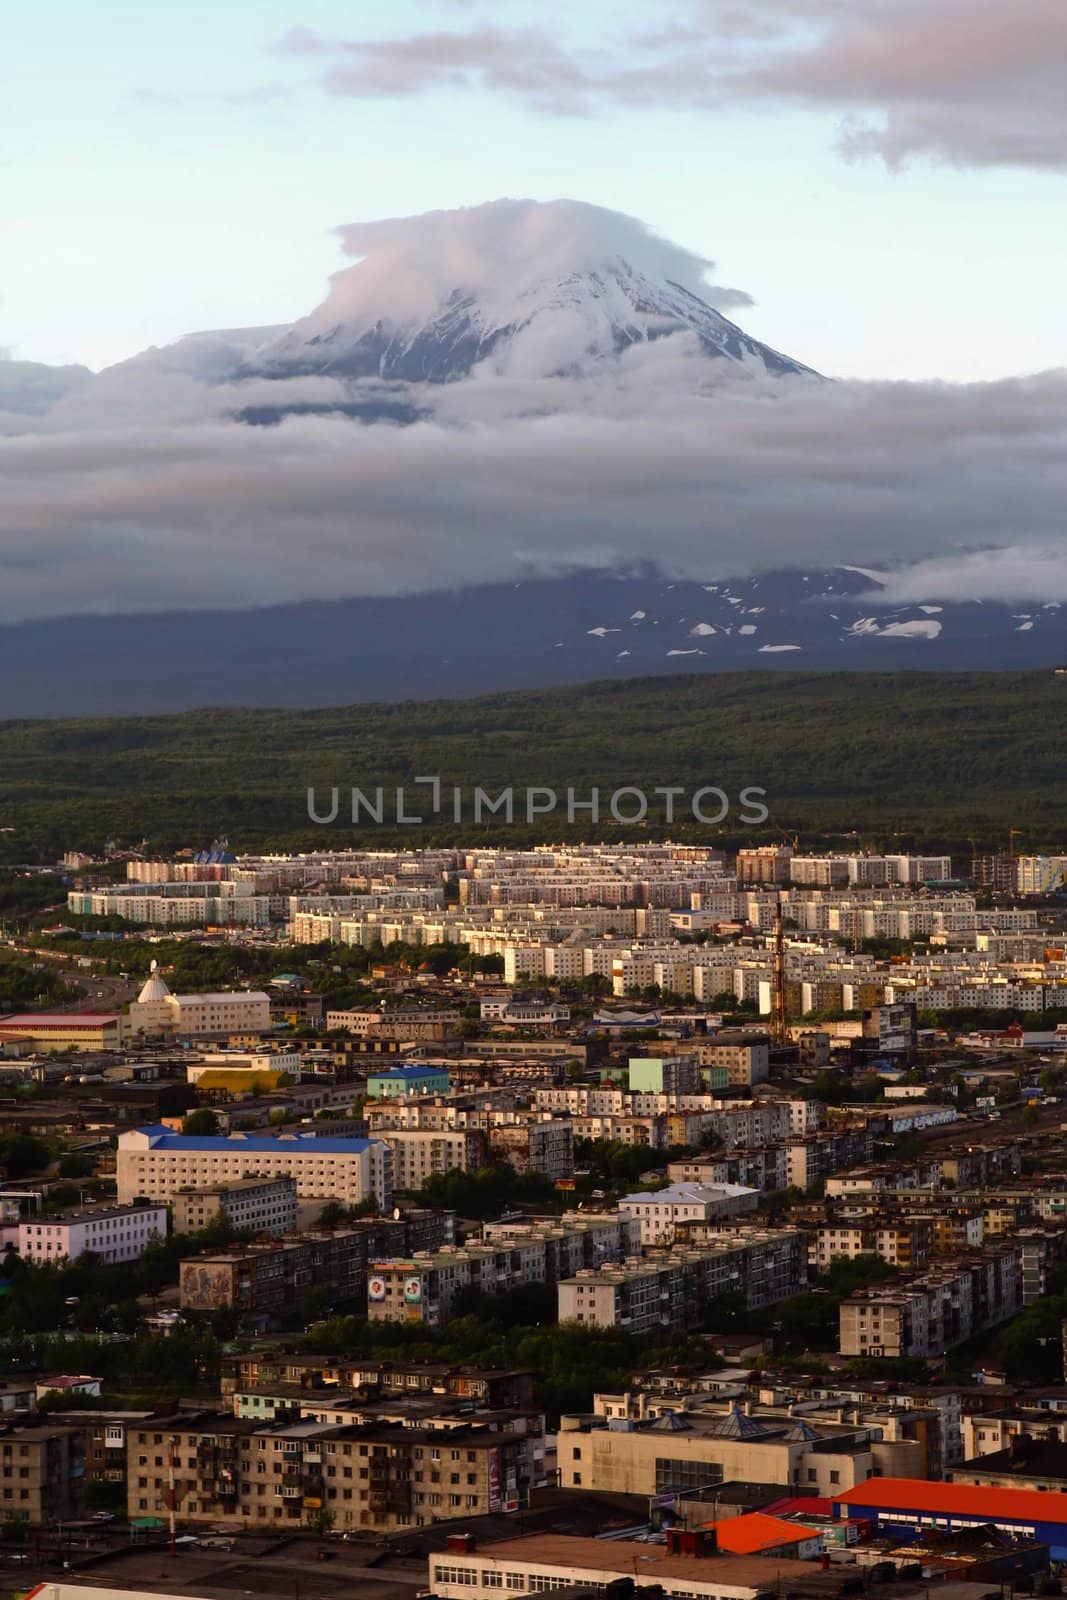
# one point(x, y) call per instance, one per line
point(960, 1499)
point(627, 1557)
point(748, 1535)
point(57, 1019)
point(164, 1139)
point(692, 1194)
point(408, 1074)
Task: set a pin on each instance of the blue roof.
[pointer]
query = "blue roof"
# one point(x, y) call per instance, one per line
point(410, 1073)
point(266, 1144)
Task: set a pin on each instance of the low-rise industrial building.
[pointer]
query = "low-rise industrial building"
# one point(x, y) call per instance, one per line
point(903, 1508)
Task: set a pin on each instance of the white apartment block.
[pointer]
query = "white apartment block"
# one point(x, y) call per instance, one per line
point(116, 1234)
point(418, 1154)
point(662, 1214)
point(251, 1205)
point(156, 1163)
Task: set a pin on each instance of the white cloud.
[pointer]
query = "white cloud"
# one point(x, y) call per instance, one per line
point(144, 485)
point(942, 79)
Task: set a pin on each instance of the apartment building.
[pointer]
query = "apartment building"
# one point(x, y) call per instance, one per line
point(408, 1022)
point(907, 1244)
point(156, 1163)
point(418, 1153)
point(167, 905)
point(113, 1234)
point(305, 1473)
point(42, 1474)
point(671, 1290)
point(664, 1214)
point(483, 1387)
point(932, 1313)
point(250, 1205)
point(264, 1281)
point(427, 1287)
point(546, 1147)
point(745, 1056)
point(764, 864)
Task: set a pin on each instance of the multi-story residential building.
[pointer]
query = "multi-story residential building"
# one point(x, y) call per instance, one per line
point(166, 905)
point(907, 1244)
point(263, 1281)
point(678, 1074)
point(746, 1056)
point(642, 1295)
point(486, 1388)
point(42, 1474)
point(103, 1438)
point(768, 863)
point(664, 1214)
point(418, 1153)
point(112, 1234)
point(932, 1313)
point(321, 1474)
point(987, 1433)
point(250, 1205)
point(156, 1163)
point(546, 1147)
point(402, 1022)
point(426, 1287)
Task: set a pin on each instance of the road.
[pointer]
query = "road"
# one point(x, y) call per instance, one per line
point(104, 991)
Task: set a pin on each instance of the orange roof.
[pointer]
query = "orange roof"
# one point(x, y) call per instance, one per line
point(960, 1499)
point(748, 1535)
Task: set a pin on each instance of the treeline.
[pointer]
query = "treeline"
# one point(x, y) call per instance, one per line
point(569, 1363)
point(90, 1296)
point(143, 1368)
point(918, 760)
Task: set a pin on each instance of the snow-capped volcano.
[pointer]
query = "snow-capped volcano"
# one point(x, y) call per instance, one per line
point(516, 289)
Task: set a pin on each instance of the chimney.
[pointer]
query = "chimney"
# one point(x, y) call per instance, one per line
point(461, 1544)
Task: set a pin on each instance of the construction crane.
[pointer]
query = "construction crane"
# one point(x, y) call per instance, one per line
point(779, 1014)
point(1013, 834)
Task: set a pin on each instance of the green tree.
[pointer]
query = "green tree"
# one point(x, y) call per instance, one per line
point(202, 1123)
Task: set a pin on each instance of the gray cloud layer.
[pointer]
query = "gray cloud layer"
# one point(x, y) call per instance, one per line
point(961, 491)
point(139, 490)
point(975, 85)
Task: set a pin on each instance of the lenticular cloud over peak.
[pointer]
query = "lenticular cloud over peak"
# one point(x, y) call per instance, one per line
point(500, 251)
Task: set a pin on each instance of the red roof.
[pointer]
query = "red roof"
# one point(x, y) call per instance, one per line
point(748, 1535)
point(28, 1020)
point(805, 1505)
point(959, 1499)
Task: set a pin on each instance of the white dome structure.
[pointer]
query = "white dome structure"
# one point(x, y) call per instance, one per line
point(154, 989)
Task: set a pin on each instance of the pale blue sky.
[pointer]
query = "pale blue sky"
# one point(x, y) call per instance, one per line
point(149, 187)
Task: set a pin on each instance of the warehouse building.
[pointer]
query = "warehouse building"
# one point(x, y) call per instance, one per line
point(902, 1508)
